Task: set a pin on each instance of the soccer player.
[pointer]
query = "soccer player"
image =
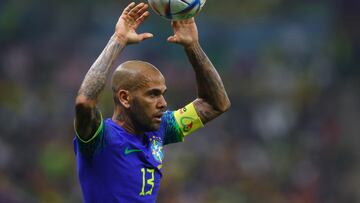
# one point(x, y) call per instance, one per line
point(119, 159)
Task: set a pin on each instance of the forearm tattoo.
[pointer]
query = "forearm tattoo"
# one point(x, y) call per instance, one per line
point(209, 84)
point(96, 77)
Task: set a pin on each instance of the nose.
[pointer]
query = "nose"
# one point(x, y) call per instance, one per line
point(162, 103)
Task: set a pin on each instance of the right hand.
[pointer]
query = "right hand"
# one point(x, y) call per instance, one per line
point(130, 19)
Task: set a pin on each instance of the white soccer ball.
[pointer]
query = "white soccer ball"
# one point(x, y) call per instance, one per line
point(177, 9)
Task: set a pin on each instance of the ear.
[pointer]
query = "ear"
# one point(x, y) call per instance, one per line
point(124, 98)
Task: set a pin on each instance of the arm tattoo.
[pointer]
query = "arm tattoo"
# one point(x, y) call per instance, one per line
point(88, 116)
point(212, 98)
point(95, 78)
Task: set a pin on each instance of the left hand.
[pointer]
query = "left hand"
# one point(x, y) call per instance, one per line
point(185, 33)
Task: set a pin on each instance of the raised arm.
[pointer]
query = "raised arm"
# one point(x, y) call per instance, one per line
point(87, 116)
point(212, 98)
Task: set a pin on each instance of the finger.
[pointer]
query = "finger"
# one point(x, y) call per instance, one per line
point(142, 18)
point(133, 12)
point(143, 9)
point(128, 8)
point(172, 39)
point(146, 35)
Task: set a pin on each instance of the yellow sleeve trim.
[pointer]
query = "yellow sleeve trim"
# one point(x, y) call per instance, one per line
point(96, 133)
point(188, 119)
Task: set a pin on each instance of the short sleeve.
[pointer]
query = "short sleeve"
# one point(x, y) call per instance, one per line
point(171, 130)
point(88, 147)
point(180, 123)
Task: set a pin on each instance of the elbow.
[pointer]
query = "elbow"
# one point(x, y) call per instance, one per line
point(226, 106)
point(220, 106)
point(82, 101)
point(223, 105)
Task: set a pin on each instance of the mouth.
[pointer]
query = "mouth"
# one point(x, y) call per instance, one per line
point(158, 116)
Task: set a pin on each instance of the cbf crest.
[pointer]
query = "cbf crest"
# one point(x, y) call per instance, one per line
point(157, 149)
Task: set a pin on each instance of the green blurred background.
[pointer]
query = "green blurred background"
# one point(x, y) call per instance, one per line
point(291, 69)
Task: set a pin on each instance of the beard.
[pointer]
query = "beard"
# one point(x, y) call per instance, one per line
point(140, 119)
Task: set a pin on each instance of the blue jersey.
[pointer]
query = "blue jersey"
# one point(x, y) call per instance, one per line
point(116, 166)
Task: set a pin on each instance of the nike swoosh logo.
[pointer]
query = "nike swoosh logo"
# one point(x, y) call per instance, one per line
point(128, 151)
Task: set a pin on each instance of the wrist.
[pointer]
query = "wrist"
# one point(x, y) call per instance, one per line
point(192, 46)
point(119, 39)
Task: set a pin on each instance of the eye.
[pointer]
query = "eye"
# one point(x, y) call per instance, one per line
point(154, 93)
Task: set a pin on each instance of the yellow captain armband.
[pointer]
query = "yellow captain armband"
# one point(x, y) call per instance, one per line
point(188, 119)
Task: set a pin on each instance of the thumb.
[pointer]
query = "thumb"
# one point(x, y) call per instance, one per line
point(172, 39)
point(146, 35)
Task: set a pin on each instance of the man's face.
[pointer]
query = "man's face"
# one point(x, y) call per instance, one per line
point(148, 104)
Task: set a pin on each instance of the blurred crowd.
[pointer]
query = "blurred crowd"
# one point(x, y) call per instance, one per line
point(291, 69)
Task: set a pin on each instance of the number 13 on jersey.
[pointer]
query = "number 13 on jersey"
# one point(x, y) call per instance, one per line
point(149, 181)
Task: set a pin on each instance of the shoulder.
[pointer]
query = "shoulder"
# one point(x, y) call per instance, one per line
point(113, 133)
point(168, 122)
point(169, 128)
point(167, 119)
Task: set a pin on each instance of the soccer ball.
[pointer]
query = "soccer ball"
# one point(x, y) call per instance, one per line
point(177, 9)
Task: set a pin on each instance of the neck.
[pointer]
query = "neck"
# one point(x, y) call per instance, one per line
point(122, 119)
